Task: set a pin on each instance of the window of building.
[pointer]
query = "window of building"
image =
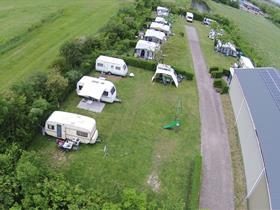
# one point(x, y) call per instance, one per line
point(50, 127)
point(81, 133)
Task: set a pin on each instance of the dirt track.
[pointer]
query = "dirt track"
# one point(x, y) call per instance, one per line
point(217, 182)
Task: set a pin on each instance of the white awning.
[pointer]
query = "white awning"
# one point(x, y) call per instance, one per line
point(92, 91)
point(166, 72)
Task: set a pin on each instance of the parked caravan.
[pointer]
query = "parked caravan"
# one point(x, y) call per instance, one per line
point(162, 11)
point(161, 27)
point(146, 49)
point(189, 17)
point(111, 65)
point(161, 20)
point(245, 63)
point(65, 125)
point(96, 89)
point(152, 35)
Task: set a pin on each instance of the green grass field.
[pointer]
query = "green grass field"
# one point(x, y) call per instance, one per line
point(40, 27)
point(262, 34)
point(139, 148)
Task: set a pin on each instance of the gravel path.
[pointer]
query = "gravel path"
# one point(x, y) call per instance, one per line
point(217, 182)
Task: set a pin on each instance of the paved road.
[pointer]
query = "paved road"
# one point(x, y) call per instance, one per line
point(217, 182)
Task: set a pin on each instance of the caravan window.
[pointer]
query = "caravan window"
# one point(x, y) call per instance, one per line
point(113, 90)
point(80, 87)
point(100, 64)
point(51, 127)
point(124, 67)
point(118, 68)
point(105, 93)
point(81, 133)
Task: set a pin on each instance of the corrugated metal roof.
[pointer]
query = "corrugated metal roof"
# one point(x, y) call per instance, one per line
point(260, 87)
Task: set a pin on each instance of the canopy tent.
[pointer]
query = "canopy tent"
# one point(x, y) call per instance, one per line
point(166, 70)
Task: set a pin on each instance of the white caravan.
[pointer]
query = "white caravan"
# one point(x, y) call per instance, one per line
point(111, 65)
point(161, 20)
point(65, 125)
point(161, 27)
point(165, 72)
point(152, 35)
point(146, 49)
point(189, 17)
point(162, 11)
point(245, 63)
point(98, 89)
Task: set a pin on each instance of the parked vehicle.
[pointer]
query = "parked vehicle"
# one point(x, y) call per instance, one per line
point(189, 17)
point(65, 125)
point(111, 65)
point(98, 89)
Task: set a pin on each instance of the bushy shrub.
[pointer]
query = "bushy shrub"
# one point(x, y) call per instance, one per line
point(188, 75)
point(193, 203)
point(214, 68)
point(216, 74)
point(140, 63)
point(217, 83)
point(226, 72)
point(221, 86)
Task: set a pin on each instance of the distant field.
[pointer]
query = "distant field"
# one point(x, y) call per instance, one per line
point(261, 33)
point(40, 27)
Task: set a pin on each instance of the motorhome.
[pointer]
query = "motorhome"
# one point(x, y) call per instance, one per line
point(245, 63)
point(189, 17)
point(98, 89)
point(111, 65)
point(65, 125)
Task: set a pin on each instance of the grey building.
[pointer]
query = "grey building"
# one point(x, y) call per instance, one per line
point(255, 97)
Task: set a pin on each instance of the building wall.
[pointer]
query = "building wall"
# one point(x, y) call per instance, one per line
point(259, 199)
point(252, 158)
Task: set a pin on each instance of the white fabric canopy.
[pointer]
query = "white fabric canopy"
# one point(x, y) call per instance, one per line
point(93, 91)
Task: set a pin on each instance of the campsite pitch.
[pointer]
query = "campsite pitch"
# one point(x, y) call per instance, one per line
point(138, 147)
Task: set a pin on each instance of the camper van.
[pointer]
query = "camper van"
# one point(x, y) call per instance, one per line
point(245, 63)
point(98, 89)
point(189, 17)
point(65, 125)
point(111, 65)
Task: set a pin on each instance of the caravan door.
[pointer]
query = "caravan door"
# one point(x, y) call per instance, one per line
point(58, 131)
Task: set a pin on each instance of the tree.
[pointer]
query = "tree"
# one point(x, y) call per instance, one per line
point(56, 86)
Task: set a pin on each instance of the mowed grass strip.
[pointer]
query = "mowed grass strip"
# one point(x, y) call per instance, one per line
point(262, 34)
point(41, 47)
